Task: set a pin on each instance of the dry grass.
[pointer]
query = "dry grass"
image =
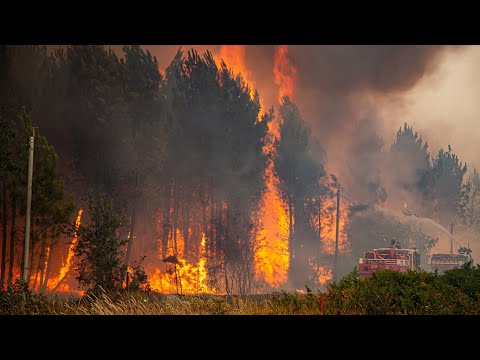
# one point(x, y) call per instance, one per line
point(145, 304)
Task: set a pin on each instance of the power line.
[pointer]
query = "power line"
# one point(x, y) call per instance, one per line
point(349, 200)
point(345, 191)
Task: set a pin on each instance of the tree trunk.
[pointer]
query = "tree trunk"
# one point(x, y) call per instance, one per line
point(186, 217)
point(4, 234)
point(219, 230)
point(290, 229)
point(178, 281)
point(32, 250)
point(204, 227)
point(12, 241)
point(130, 239)
point(41, 262)
point(97, 181)
point(291, 247)
point(166, 218)
point(210, 246)
point(225, 250)
point(246, 284)
point(49, 265)
point(319, 227)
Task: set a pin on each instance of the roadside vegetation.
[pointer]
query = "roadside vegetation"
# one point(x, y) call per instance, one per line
point(456, 292)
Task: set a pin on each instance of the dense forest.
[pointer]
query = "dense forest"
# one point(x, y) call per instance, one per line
point(175, 167)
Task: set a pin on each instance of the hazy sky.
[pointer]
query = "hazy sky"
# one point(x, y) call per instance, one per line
point(441, 100)
point(443, 105)
point(446, 106)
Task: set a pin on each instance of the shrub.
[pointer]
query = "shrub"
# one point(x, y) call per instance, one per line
point(18, 299)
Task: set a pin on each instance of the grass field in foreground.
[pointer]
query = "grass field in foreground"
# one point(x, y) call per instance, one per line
point(385, 293)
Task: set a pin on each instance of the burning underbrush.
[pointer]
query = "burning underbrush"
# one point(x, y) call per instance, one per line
point(385, 293)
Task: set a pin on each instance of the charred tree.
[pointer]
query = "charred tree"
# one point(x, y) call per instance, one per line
point(12, 240)
point(4, 232)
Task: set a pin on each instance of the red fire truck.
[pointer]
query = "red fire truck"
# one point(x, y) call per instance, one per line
point(393, 258)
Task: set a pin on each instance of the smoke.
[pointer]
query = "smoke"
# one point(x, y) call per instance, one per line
point(356, 97)
point(338, 86)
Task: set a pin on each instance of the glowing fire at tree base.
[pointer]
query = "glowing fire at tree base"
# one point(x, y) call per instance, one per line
point(190, 278)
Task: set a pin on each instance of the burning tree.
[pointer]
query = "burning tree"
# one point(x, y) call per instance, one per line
point(213, 176)
point(299, 174)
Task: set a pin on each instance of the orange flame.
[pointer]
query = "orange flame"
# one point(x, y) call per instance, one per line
point(272, 257)
point(234, 57)
point(328, 232)
point(323, 274)
point(66, 266)
point(405, 205)
point(192, 279)
point(284, 73)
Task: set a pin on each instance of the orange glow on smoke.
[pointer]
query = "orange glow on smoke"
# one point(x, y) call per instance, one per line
point(189, 274)
point(191, 278)
point(284, 73)
point(323, 275)
point(234, 57)
point(328, 229)
point(272, 257)
point(68, 263)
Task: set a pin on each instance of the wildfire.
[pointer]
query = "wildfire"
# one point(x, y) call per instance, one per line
point(284, 73)
point(234, 57)
point(328, 232)
point(66, 266)
point(178, 273)
point(272, 257)
point(405, 205)
point(191, 279)
point(323, 275)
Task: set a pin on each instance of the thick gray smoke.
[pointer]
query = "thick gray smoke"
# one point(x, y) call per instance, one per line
point(331, 78)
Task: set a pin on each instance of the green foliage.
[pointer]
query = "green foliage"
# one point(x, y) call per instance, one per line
point(7, 139)
point(214, 156)
point(99, 249)
point(394, 293)
point(469, 203)
point(466, 278)
point(18, 299)
point(412, 168)
point(448, 172)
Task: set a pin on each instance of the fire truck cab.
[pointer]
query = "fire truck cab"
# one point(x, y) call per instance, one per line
point(393, 258)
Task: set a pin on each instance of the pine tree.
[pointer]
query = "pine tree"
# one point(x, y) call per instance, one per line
point(448, 172)
point(99, 250)
point(469, 204)
point(299, 174)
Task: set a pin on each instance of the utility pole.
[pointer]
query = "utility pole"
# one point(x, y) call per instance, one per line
point(451, 238)
point(132, 224)
point(336, 236)
point(320, 218)
point(29, 207)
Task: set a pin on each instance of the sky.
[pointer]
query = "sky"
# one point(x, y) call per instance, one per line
point(440, 100)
